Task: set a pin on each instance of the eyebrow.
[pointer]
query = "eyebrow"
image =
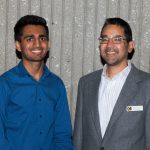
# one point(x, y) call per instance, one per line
point(28, 36)
point(113, 36)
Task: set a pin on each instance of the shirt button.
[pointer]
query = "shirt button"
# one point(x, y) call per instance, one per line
point(40, 133)
point(40, 100)
point(41, 116)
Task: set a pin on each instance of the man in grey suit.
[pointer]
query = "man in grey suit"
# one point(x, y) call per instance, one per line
point(113, 104)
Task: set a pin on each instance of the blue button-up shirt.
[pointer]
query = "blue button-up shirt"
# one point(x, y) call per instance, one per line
point(34, 115)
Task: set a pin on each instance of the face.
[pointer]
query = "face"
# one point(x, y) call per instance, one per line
point(34, 43)
point(115, 53)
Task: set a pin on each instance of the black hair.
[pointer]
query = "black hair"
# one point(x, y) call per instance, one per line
point(122, 23)
point(29, 20)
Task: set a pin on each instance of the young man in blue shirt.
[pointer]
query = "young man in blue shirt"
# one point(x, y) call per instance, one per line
point(34, 113)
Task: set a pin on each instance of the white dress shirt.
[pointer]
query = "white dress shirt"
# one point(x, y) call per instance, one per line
point(109, 91)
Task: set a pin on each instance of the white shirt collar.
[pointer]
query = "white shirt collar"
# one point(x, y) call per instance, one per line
point(123, 73)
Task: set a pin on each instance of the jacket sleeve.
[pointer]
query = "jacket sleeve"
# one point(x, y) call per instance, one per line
point(77, 134)
point(147, 126)
point(63, 129)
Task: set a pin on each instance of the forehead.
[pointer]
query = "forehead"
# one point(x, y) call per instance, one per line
point(34, 29)
point(113, 30)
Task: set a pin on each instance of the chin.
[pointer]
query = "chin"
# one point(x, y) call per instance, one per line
point(112, 63)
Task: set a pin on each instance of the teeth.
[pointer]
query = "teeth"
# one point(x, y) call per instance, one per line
point(110, 52)
point(36, 51)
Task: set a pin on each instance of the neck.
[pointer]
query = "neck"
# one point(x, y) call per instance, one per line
point(111, 71)
point(35, 69)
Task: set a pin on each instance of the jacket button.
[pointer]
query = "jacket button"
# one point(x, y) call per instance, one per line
point(102, 148)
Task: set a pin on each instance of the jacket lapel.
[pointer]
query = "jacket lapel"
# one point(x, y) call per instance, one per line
point(93, 97)
point(127, 93)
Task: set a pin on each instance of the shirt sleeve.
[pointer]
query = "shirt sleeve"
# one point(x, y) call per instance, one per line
point(4, 144)
point(63, 129)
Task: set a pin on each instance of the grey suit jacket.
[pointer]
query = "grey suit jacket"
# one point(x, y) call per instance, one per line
point(127, 130)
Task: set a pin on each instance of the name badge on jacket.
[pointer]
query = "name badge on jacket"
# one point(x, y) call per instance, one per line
point(134, 108)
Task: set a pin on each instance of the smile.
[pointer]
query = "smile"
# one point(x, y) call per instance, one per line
point(111, 52)
point(36, 51)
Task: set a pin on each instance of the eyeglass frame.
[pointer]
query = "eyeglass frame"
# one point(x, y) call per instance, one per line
point(122, 38)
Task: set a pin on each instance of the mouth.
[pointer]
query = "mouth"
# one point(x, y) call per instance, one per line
point(37, 51)
point(111, 51)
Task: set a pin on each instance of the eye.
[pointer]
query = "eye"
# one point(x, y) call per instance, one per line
point(117, 39)
point(104, 39)
point(43, 38)
point(29, 39)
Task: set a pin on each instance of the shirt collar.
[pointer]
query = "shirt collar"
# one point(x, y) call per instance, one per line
point(123, 73)
point(23, 72)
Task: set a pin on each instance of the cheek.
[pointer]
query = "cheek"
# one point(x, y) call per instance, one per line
point(26, 46)
point(123, 49)
point(102, 48)
point(45, 46)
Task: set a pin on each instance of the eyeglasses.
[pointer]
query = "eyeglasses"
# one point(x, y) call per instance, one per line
point(115, 40)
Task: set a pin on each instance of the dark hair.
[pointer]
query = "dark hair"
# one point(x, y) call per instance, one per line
point(127, 30)
point(29, 20)
point(122, 23)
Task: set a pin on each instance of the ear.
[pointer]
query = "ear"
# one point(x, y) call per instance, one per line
point(18, 46)
point(131, 46)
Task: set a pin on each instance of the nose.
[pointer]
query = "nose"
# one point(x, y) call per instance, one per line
point(110, 43)
point(37, 43)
